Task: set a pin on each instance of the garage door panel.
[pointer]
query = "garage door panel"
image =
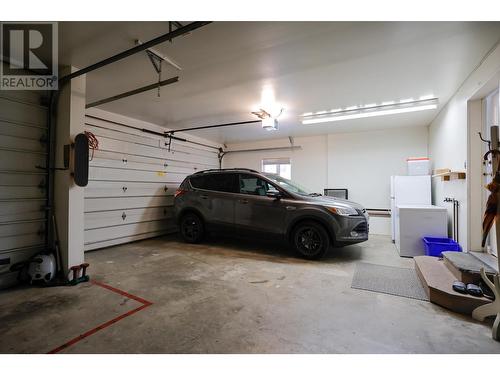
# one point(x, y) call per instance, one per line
point(107, 204)
point(111, 128)
point(97, 189)
point(135, 149)
point(8, 178)
point(20, 160)
point(22, 131)
point(13, 207)
point(120, 164)
point(126, 239)
point(16, 111)
point(102, 234)
point(22, 195)
point(157, 165)
point(95, 220)
point(21, 192)
point(189, 167)
point(21, 228)
point(22, 216)
point(19, 143)
point(112, 174)
point(20, 241)
point(143, 139)
point(186, 148)
point(132, 179)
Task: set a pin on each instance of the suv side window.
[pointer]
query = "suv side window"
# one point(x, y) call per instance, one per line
point(254, 185)
point(223, 182)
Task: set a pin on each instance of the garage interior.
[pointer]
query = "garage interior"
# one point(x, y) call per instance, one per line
point(338, 107)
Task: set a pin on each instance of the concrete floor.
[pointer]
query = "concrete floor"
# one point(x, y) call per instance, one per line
point(228, 296)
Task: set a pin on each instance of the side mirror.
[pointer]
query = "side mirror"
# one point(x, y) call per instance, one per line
point(273, 194)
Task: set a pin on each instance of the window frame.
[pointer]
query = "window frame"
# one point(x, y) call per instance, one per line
point(278, 162)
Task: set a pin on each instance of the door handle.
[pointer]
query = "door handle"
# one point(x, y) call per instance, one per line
point(243, 201)
point(203, 196)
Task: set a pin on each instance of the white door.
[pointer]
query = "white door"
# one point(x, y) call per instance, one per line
point(491, 104)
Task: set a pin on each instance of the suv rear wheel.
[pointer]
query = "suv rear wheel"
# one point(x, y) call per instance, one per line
point(191, 228)
point(310, 240)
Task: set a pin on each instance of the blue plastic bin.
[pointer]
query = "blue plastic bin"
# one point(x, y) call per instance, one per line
point(434, 246)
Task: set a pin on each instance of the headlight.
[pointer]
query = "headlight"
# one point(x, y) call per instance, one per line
point(344, 211)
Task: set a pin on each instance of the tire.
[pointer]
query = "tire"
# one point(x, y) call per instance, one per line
point(310, 240)
point(191, 228)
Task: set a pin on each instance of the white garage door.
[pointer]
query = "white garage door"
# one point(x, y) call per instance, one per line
point(132, 179)
point(23, 132)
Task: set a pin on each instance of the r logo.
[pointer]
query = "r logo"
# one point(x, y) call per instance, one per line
point(29, 52)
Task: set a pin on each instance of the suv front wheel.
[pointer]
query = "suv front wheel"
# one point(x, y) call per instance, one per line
point(310, 240)
point(191, 228)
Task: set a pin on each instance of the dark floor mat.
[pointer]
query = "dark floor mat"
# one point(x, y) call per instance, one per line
point(403, 282)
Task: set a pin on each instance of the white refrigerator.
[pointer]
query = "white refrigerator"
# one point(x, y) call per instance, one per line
point(408, 190)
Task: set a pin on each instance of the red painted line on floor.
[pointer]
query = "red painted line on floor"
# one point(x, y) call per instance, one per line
point(73, 341)
point(125, 294)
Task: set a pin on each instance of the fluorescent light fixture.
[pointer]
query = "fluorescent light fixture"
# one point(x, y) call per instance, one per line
point(321, 112)
point(426, 97)
point(389, 102)
point(351, 108)
point(389, 108)
point(307, 114)
point(370, 105)
point(335, 110)
point(409, 100)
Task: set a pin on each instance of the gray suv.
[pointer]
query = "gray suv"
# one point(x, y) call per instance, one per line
point(247, 202)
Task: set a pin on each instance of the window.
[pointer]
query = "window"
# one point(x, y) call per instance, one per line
point(225, 182)
point(253, 185)
point(280, 166)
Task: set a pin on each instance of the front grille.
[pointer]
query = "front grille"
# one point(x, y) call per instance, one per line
point(361, 228)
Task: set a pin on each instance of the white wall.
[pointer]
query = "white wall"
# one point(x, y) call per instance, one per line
point(449, 138)
point(364, 162)
point(361, 162)
point(309, 165)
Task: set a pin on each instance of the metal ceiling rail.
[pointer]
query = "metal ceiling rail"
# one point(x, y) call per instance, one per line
point(214, 126)
point(133, 92)
point(139, 48)
point(161, 134)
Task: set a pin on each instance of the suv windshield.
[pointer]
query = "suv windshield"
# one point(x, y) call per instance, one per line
point(289, 185)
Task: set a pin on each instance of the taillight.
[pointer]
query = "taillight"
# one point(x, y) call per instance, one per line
point(179, 192)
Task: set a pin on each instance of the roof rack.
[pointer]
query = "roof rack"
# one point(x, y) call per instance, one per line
point(226, 169)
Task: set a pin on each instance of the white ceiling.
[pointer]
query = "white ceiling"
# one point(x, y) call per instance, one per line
point(311, 66)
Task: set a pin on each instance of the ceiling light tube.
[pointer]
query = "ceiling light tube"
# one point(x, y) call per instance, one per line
point(364, 114)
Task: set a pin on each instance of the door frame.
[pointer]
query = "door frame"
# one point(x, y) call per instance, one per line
point(475, 124)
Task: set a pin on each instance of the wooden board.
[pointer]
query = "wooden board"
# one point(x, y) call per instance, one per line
point(438, 280)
